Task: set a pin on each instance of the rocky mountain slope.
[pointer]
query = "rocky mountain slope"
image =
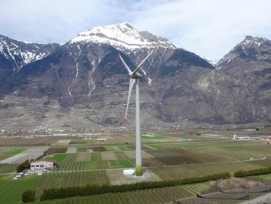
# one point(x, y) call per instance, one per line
point(83, 84)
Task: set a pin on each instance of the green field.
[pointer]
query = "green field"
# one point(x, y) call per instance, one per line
point(6, 153)
point(11, 190)
point(120, 164)
point(87, 165)
point(15, 151)
point(263, 177)
point(58, 156)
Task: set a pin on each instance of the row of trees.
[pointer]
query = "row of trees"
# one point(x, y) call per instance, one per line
point(55, 193)
point(253, 172)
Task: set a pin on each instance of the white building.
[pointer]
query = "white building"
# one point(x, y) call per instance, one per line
point(102, 139)
point(41, 165)
point(127, 172)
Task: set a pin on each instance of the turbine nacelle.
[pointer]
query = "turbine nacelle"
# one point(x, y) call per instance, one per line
point(135, 75)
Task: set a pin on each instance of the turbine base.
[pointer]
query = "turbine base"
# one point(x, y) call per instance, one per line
point(139, 170)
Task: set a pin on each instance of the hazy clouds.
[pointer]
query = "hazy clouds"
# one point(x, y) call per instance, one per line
point(207, 27)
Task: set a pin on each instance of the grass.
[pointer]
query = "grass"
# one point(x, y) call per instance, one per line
point(124, 148)
point(15, 151)
point(59, 156)
point(263, 177)
point(120, 164)
point(69, 179)
point(11, 190)
point(7, 168)
point(88, 165)
point(95, 156)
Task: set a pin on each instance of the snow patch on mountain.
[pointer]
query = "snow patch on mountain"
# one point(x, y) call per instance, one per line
point(22, 53)
point(211, 61)
point(252, 41)
point(121, 36)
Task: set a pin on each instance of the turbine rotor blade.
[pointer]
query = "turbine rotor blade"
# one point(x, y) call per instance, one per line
point(131, 84)
point(138, 67)
point(125, 65)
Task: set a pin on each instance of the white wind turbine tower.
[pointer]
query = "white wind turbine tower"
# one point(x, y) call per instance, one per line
point(134, 79)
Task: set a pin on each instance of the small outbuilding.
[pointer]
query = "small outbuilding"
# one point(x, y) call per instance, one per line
point(101, 139)
point(41, 165)
point(127, 172)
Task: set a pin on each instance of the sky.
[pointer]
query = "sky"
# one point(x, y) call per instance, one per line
point(209, 28)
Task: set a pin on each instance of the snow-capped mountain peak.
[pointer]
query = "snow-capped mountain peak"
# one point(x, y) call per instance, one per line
point(251, 47)
point(253, 41)
point(121, 36)
point(21, 53)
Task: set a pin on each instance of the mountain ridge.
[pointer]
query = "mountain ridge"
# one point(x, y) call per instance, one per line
point(82, 84)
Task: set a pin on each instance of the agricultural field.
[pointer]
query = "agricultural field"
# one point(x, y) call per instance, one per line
point(11, 190)
point(9, 152)
point(166, 155)
point(19, 155)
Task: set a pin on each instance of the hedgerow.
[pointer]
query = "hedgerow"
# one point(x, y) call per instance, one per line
point(253, 172)
point(57, 193)
point(28, 196)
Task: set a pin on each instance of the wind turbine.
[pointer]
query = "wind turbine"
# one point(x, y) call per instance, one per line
point(134, 79)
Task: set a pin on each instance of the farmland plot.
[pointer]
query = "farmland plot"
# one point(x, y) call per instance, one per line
point(69, 179)
point(171, 158)
point(198, 155)
point(8, 152)
point(71, 150)
point(120, 164)
point(53, 150)
point(58, 156)
point(190, 170)
point(108, 156)
point(70, 162)
point(83, 156)
point(24, 141)
point(11, 190)
point(145, 155)
point(8, 168)
point(62, 142)
point(98, 149)
point(121, 156)
point(152, 162)
point(116, 148)
point(31, 153)
point(231, 152)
